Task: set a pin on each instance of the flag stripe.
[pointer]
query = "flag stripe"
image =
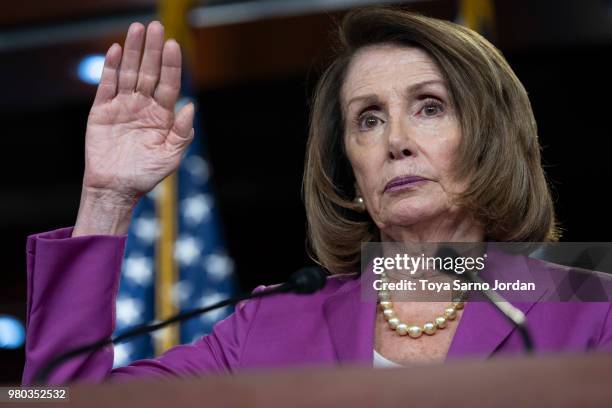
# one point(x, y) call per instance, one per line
point(166, 276)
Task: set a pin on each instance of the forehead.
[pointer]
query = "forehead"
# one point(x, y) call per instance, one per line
point(386, 67)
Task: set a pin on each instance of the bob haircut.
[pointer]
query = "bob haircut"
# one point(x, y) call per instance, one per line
point(499, 154)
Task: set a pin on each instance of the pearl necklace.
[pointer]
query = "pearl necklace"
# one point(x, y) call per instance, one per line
point(415, 331)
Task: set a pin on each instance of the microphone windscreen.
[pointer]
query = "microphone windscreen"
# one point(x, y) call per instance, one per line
point(308, 280)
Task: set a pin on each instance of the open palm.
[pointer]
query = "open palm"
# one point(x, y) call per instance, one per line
point(134, 139)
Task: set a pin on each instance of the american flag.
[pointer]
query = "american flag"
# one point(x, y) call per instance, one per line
point(205, 270)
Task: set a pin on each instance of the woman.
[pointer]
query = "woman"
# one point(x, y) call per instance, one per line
point(420, 132)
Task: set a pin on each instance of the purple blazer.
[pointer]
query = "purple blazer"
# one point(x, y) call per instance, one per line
point(72, 286)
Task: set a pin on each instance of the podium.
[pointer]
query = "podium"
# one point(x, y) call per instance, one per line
point(579, 380)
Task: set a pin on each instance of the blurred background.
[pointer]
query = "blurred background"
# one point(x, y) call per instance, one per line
point(252, 68)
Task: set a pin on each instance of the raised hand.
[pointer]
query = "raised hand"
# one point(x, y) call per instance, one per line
point(134, 139)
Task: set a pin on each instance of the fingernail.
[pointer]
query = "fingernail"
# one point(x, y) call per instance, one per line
point(135, 26)
point(110, 49)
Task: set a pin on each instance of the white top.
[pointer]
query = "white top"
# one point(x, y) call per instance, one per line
point(381, 362)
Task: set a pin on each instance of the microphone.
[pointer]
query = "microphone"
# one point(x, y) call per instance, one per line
point(511, 313)
point(307, 280)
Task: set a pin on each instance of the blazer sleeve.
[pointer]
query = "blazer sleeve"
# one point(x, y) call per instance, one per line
point(71, 294)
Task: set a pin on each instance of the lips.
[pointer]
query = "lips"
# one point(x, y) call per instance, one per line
point(402, 182)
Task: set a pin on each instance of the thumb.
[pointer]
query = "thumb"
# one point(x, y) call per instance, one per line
point(182, 131)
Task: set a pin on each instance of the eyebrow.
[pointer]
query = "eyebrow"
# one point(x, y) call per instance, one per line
point(412, 89)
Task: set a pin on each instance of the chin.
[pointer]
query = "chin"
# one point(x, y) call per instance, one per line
point(410, 211)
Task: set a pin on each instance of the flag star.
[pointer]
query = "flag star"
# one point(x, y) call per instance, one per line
point(138, 269)
point(208, 299)
point(194, 209)
point(196, 337)
point(187, 250)
point(153, 194)
point(218, 266)
point(121, 355)
point(159, 335)
point(129, 310)
point(181, 291)
point(184, 100)
point(198, 168)
point(146, 228)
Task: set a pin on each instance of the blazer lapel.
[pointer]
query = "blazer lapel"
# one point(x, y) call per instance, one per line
point(351, 319)
point(482, 328)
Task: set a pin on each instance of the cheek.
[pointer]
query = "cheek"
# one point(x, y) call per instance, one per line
point(442, 153)
point(442, 160)
point(364, 175)
point(366, 163)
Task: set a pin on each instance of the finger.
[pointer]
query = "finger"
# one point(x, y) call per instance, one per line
point(169, 85)
point(107, 88)
point(151, 59)
point(181, 133)
point(128, 71)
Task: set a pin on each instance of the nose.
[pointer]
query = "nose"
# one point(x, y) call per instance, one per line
point(400, 142)
point(395, 154)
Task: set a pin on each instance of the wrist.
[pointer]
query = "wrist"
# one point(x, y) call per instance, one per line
point(103, 213)
point(108, 198)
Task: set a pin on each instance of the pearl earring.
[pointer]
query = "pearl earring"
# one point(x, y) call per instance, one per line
point(360, 203)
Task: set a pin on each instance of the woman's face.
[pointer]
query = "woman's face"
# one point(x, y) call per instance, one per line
point(401, 135)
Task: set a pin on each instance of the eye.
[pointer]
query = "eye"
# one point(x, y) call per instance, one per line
point(367, 121)
point(432, 108)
